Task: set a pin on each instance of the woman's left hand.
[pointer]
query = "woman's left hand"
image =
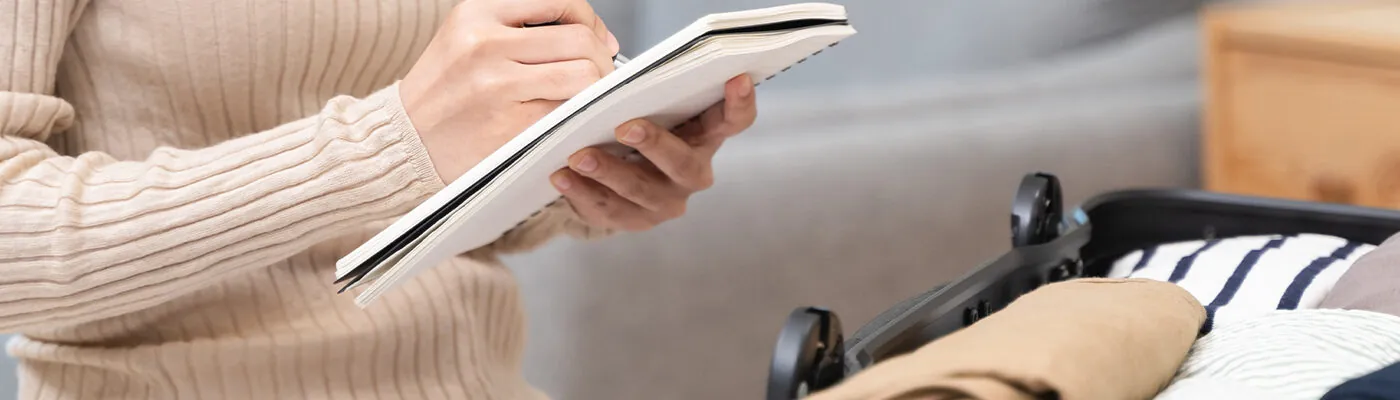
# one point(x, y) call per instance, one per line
point(609, 192)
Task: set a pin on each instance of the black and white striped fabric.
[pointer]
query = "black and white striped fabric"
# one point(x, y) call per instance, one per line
point(1236, 278)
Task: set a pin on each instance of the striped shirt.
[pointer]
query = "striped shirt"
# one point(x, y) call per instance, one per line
point(1241, 277)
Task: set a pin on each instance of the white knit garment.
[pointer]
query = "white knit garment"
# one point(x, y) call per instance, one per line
point(1241, 277)
point(1210, 388)
point(1283, 355)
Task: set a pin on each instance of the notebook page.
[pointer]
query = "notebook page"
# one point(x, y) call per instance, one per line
point(505, 178)
point(439, 200)
point(735, 19)
point(432, 205)
point(678, 98)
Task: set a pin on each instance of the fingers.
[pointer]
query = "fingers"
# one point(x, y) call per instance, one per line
point(740, 107)
point(556, 43)
point(608, 38)
point(613, 44)
point(733, 115)
point(600, 206)
point(608, 191)
point(535, 12)
point(635, 182)
point(554, 81)
point(686, 166)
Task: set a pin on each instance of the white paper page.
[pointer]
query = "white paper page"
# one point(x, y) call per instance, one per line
point(668, 101)
point(705, 24)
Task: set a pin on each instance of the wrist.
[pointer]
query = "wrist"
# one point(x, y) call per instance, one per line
point(448, 151)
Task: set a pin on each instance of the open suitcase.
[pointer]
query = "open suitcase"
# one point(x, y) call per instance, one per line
point(813, 352)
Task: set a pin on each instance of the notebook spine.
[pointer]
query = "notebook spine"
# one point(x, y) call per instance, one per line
point(532, 216)
point(795, 64)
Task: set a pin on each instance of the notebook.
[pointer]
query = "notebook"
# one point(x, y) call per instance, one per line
point(668, 84)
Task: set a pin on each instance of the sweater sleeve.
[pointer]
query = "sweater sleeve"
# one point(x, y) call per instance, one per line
point(89, 237)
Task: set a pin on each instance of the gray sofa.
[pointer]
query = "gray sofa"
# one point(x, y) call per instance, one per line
point(876, 170)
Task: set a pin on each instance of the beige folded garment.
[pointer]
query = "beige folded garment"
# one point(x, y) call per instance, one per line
point(1085, 339)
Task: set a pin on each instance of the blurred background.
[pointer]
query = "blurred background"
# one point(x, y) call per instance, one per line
point(886, 165)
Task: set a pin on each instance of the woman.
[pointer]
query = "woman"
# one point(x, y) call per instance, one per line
point(178, 177)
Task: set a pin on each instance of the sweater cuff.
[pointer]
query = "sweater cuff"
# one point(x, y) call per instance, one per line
point(34, 115)
point(414, 149)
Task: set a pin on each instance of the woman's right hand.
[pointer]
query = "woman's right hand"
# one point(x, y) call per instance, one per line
point(485, 77)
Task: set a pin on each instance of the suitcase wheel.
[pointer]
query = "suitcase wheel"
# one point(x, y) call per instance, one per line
point(1036, 211)
point(808, 355)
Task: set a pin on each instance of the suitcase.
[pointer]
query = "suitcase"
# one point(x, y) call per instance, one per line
point(813, 352)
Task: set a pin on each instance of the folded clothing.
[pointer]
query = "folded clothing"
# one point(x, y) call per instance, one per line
point(1383, 384)
point(1081, 339)
point(1209, 388)
point(1372, 284)
point(1240, 277)
point(1297, 354)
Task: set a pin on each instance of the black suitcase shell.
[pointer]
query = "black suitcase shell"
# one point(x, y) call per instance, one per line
point(813, 352)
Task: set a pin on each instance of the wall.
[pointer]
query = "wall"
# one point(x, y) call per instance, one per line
point(916, 39)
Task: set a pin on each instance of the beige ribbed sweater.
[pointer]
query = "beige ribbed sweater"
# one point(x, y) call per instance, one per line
point(177, 179)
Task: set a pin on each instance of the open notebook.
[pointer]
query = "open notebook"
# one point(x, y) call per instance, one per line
point(668, 84)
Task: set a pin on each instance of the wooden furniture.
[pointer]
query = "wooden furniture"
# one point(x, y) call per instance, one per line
point(1303, 101)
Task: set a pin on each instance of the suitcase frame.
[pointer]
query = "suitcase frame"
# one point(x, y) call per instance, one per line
point(813, 353)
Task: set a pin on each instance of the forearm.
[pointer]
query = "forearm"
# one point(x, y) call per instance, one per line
point(86, 237)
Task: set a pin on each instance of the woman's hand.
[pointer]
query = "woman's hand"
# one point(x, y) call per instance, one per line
point(609, 192)
point(484, 77)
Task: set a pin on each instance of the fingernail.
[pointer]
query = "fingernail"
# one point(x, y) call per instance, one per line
point(562, 182)
point(587, 164)
point(635, 134)
point(745, 87)
point(613, 44)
